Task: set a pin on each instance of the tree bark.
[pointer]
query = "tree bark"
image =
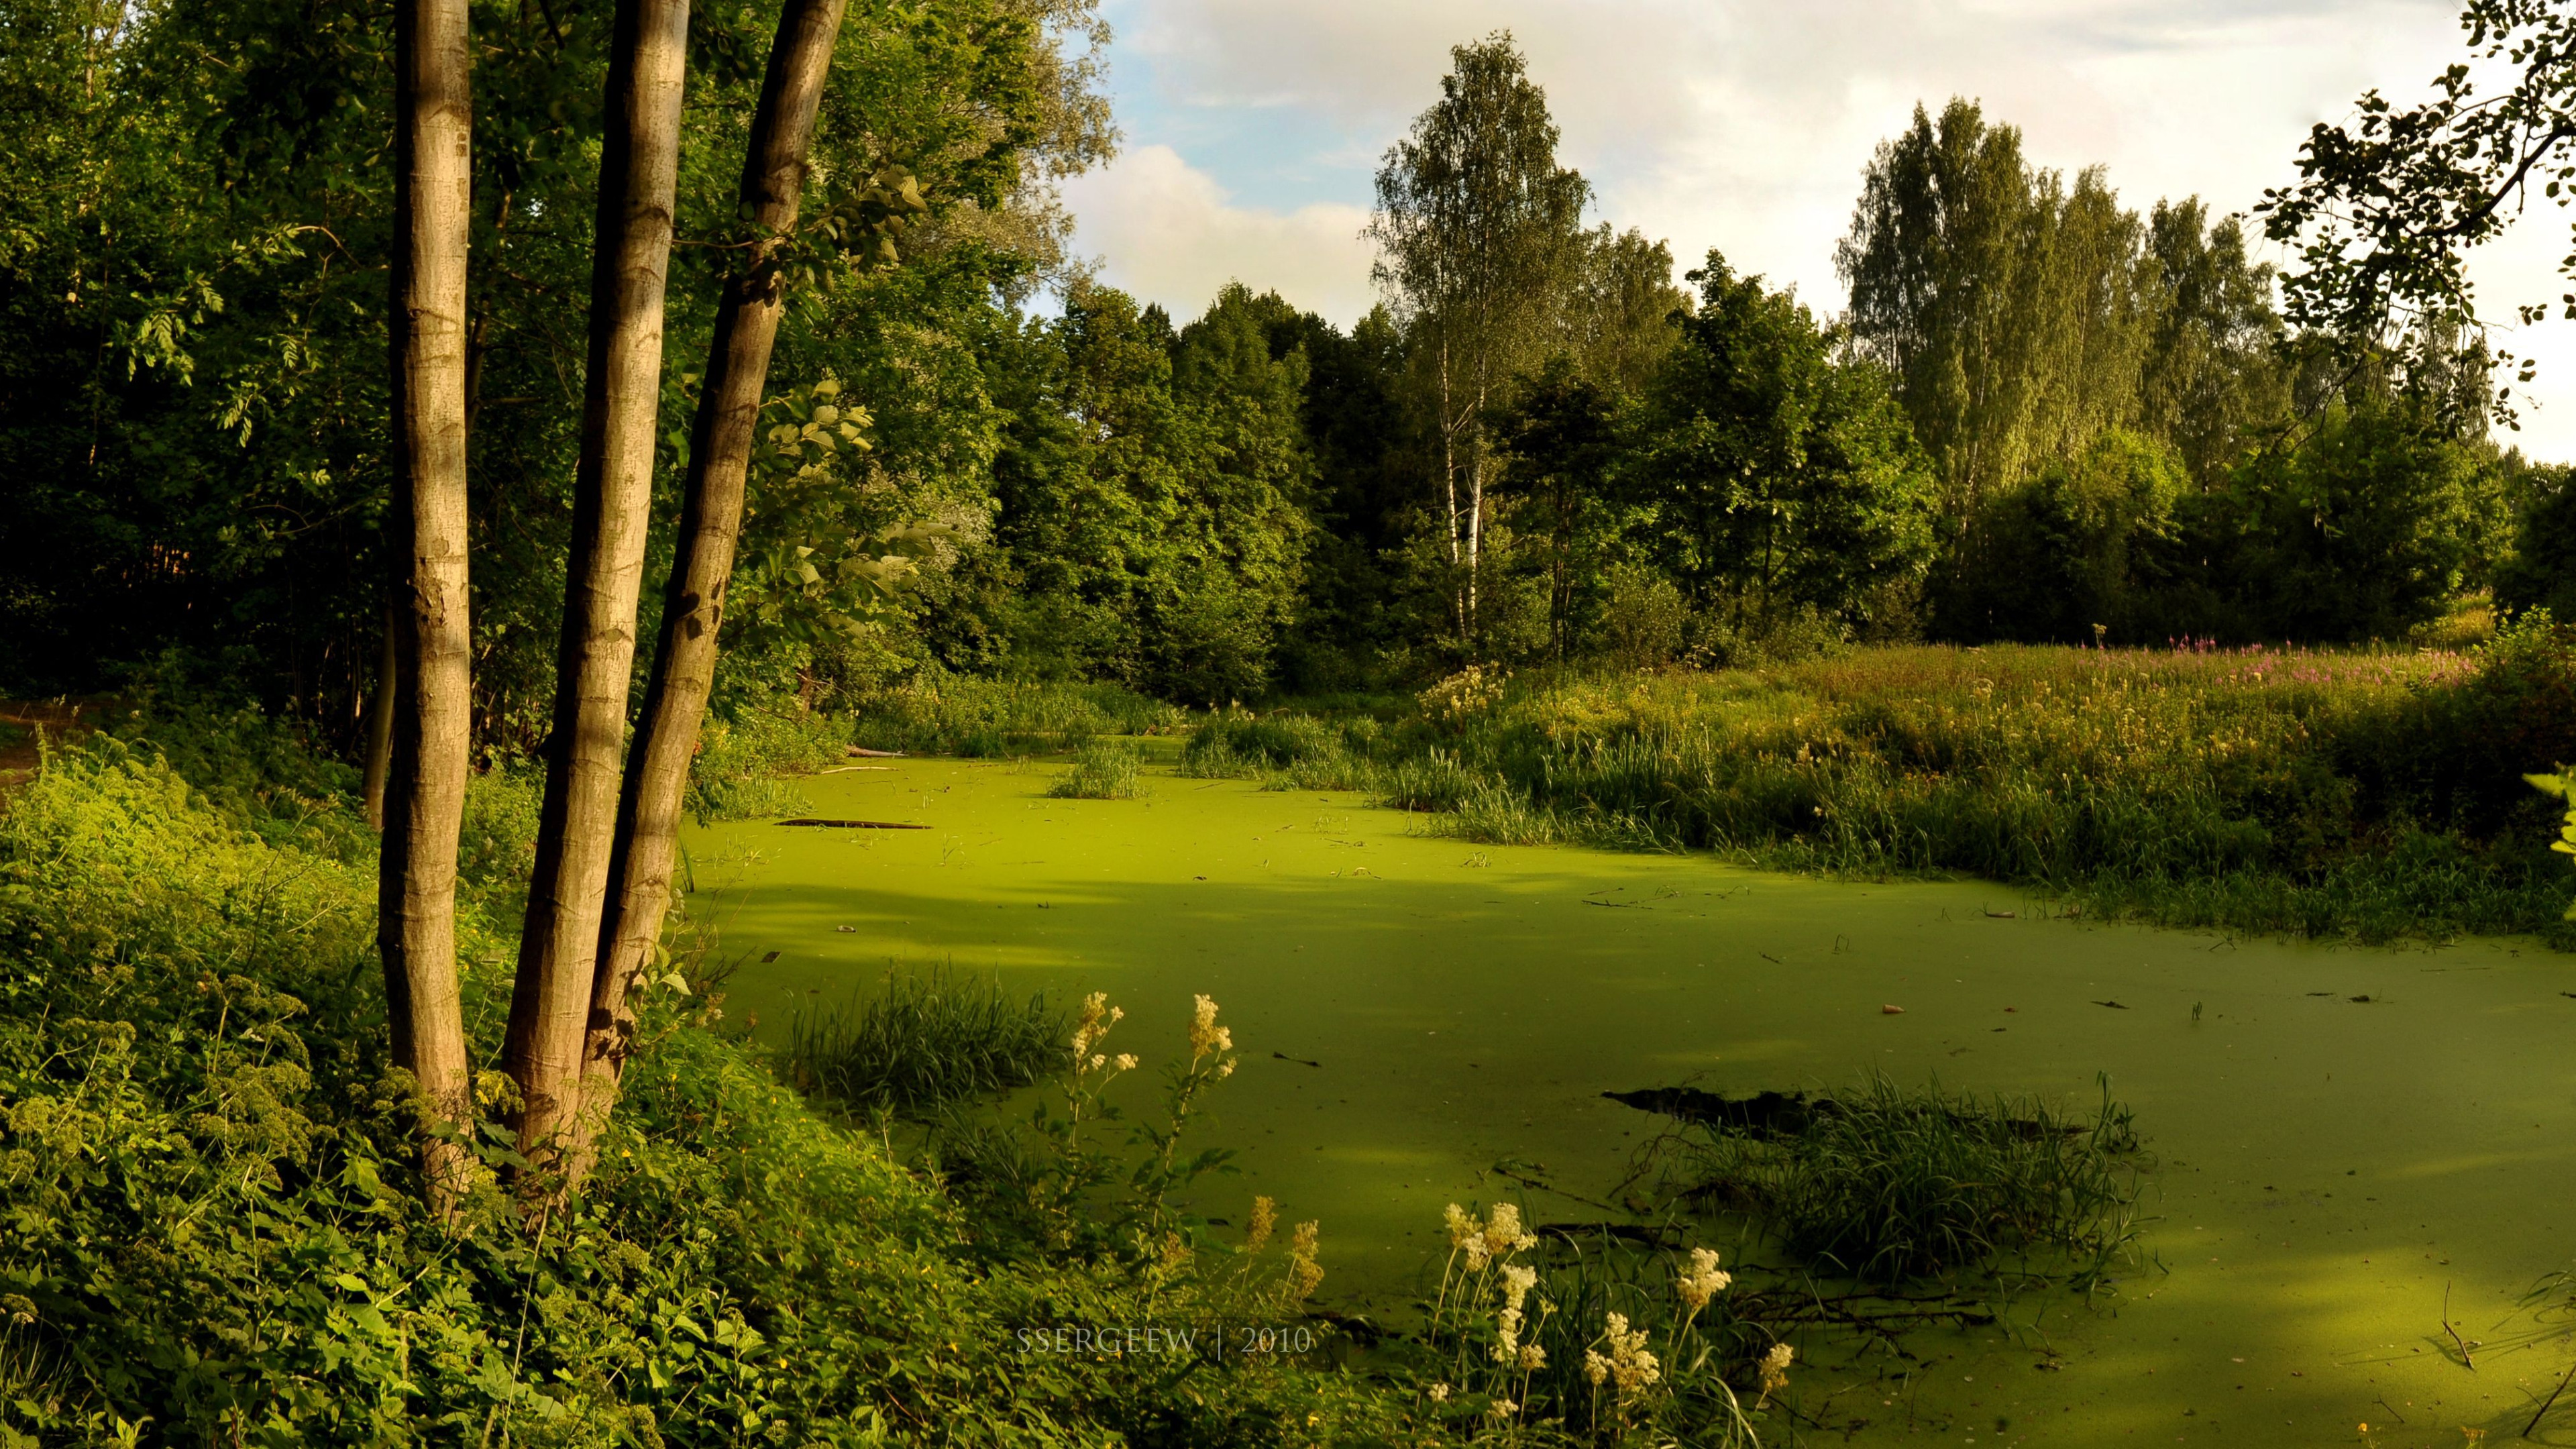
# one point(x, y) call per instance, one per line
point(657, 768)
point(431, 707)
point(380, 721)
point(612, 506)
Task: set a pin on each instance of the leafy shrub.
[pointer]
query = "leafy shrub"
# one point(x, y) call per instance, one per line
point(927, 1039)
point(1103, 770)
point(742, 764)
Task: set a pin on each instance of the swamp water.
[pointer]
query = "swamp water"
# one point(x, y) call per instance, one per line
point(2327, 1168)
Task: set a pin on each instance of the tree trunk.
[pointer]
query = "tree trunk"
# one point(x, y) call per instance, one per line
point(431, 706)
point(380, 721)
point(612, 506)
point(657, 769)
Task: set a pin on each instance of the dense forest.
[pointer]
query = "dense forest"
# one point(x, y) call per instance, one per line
point(2044, 415)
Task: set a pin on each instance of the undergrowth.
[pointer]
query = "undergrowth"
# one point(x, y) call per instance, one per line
point(216, 1233)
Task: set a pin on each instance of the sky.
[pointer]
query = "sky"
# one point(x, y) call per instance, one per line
point(1253, 128)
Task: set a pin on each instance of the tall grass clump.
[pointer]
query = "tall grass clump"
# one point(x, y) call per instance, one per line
point(1103, 770)
point(955, 714)
point(924, 1040)
point(1888, 1185)
point(1285, 751)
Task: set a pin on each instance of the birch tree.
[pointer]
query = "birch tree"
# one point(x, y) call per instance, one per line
point(1479, 228)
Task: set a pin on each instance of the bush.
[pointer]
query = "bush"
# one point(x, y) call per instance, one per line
point(743, 763)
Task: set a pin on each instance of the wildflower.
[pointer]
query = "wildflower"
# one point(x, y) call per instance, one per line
point(1093, 1023)
point(1461, 1226)
point(1628, 1362)
point(1595, 1367)
point(1265, 1216)
point(1439, 1393)
point(1503, 1232)
point(1517, 1282)
point(1533, 1358)
point(1205, 1035)
point(1775, 1370)
point(1504, 1409)
point(1703, 1282)
point(1126, 1061)
point(1304, 1273)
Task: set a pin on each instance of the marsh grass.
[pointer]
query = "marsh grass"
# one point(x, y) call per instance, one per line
point(1889, 1185)
point(953, 714)
point(2372, 794)
point(1103, 770)
point(925, 1040)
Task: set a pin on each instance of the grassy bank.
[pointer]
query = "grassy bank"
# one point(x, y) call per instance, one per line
point(216, 1238)
point(2318, 793)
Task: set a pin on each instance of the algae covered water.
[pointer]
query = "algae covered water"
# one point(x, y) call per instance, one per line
point(2347, 1140)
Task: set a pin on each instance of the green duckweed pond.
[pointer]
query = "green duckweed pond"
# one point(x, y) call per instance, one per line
point(2344, 1138)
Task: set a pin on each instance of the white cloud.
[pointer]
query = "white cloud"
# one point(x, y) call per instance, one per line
point(1737, 124)
point(1167, 232)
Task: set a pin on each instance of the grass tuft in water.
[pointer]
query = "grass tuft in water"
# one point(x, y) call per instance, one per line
point(1889, 1185)
point(1103, 770)
point(926, 1040)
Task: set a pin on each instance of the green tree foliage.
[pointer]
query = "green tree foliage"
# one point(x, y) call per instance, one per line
point(1967, 266)
point(1481, 232)
point(192, 306)
point(2365, 530)
point(1772, 474)
point(2080, 545)
point(2213, 378)
point(1153, 496)
point(2541, 571)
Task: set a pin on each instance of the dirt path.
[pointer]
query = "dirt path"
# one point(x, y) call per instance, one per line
point(20, 724)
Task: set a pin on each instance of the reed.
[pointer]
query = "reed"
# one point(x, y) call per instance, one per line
point(925, 1040)
point(1103, 770)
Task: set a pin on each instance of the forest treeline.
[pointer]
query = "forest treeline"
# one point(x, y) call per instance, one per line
point(2043, 415)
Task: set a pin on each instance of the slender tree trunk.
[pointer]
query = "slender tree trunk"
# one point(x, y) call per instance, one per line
point(657, 767)
point(612, 506)
point(380, 720)
point(432, 703)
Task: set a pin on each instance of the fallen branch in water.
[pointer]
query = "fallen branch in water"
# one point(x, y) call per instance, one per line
point(855, 824)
